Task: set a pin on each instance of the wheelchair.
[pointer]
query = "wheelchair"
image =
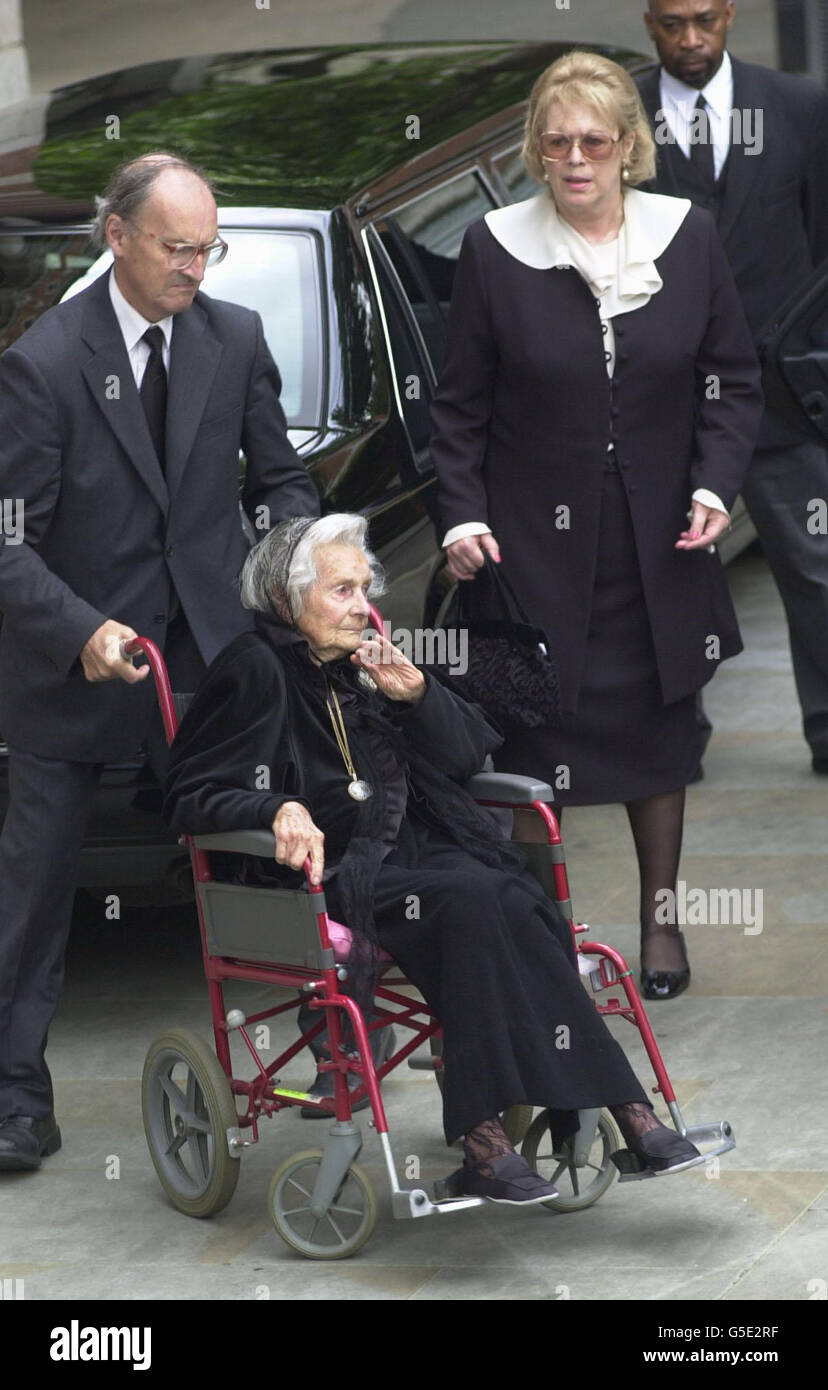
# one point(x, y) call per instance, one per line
point(199, 1115)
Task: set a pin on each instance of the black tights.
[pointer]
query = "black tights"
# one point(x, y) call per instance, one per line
point(656, 823)
point(487, 1142)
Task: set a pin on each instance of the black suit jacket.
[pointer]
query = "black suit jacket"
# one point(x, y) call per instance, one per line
point(773, 215)
point(106, 536)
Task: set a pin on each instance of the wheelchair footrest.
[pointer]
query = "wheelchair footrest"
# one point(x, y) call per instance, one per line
point(630, 1166)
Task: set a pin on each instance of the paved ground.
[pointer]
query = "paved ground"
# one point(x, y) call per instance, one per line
point(67, 42)
point(742, 1043)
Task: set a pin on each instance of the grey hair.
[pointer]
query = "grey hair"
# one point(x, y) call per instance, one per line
point(131, 184)
point(281, 568)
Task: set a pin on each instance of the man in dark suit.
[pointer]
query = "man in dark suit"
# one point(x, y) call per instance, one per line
point(751, 144)
point(122, 413)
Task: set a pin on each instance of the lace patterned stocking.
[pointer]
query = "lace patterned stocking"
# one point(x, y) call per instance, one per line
point(634, 1119)
point(483, 1145)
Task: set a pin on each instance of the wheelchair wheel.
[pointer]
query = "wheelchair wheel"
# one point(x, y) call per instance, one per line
point(347, 1223)
point(577, 1187)
point(516, 1120)
point(188, 1108)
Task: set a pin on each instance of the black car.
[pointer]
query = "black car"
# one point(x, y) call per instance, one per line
point(346, 177)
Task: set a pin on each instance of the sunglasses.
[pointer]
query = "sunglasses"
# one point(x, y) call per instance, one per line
point(595, 146)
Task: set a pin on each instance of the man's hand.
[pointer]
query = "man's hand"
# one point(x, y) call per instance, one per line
point(297, 837)
point(394, 674)
point(101, 657)
point(465, 557)
point(706, 526)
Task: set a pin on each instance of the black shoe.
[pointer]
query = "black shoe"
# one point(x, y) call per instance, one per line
point(25, 1140)
point(820, 764)
point(383, 1041)
point(513, 1183)
point(661, 1150)
point(666, 984)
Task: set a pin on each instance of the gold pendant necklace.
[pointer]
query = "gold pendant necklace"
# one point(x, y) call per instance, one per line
point(358, 788)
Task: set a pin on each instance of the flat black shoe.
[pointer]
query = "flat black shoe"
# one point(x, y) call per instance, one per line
point(25, 1140)
point(513, 1183)
point(666, 984)
point(661, 1150)
point(382, 1042)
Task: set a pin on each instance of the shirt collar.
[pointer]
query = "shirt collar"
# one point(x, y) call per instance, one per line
point(132, 324)
point(533, 233)
point(718, 93)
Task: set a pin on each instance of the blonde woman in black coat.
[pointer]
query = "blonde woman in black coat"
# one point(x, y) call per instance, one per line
point(593, 424)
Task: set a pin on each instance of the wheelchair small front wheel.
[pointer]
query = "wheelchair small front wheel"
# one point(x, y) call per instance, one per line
point(188, 1108)
point(516, 1120)
point(344, 1227)
point(577, 1187)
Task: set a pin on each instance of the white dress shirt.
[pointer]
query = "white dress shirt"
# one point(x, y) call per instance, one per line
point(133, 326)
point(621, 274)
point(678, 101)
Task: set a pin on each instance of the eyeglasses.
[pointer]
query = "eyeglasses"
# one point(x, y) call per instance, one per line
point(181, 254)
point(595, 146)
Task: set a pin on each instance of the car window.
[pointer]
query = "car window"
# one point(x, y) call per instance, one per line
point(512, 170)
point(275, 272)
point(35, 271)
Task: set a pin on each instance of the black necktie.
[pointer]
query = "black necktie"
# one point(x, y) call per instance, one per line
point(701, 147)
point(154, 391)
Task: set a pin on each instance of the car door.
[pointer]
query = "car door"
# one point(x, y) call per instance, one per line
point(412, 250)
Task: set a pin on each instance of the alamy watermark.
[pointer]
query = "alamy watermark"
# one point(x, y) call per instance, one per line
point(427, 646)
point(11, 520)
point(747, 127)
point(703, 907)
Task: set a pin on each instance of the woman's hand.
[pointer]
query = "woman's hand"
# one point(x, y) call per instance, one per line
point(390, 668)
point(706, 526)
point(465, 557)
point(297, 837)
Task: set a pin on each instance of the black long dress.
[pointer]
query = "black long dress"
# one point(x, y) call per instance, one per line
point(490, 953)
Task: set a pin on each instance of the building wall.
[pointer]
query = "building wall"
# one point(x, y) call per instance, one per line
point(14, 70)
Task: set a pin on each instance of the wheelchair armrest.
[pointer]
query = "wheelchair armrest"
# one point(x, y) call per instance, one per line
point(508, 786)
point(259, 842)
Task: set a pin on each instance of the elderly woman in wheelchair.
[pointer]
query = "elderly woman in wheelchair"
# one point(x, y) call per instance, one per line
point(357, 759)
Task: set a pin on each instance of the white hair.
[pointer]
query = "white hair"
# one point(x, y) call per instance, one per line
point(281, 568)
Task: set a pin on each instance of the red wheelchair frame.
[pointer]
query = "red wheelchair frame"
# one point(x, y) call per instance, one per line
point(195, 1128)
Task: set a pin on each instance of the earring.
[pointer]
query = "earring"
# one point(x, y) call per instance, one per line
point(625, 172)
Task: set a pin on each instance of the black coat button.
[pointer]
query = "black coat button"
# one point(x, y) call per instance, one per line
point(160, 618)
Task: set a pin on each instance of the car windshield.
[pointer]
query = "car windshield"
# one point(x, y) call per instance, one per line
point(274, 272)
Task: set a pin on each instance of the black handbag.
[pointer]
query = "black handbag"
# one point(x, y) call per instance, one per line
point(510, 672)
